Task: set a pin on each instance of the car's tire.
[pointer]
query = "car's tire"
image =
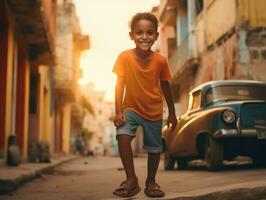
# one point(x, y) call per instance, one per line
point(168, 161)
point(182, 163)
point(213, 154)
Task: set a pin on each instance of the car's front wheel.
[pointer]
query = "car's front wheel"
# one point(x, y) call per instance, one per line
point(169, 162)
point(213, 154)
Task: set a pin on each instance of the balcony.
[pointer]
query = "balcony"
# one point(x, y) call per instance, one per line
point(36, 21)
point(184, 59)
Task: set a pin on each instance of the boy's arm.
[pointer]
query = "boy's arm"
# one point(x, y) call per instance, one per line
point(169, 100)
point(119, 119)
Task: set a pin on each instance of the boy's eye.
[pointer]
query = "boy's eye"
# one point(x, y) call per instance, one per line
point(151, 33)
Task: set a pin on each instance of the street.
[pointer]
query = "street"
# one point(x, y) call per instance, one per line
point(94, 178)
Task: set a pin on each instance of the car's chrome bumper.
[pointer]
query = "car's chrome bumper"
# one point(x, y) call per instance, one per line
point(222, 133)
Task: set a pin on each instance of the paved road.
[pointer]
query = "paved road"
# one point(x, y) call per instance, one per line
point(95, 178)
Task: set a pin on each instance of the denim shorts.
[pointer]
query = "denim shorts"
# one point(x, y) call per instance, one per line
point(152, 131)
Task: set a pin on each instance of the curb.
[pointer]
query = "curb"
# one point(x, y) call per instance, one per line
point(257, 193)
point(10, 185)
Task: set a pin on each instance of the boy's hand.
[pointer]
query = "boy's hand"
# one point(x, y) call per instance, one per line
point(120, 119)
point(171, 121)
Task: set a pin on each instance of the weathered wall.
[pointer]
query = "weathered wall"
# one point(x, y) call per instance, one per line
point(218, 23)
point(219, 63)
point(165, 33)
point(200, 36)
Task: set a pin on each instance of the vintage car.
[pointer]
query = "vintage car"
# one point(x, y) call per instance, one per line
point(224, 119)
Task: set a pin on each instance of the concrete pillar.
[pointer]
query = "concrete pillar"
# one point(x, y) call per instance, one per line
point(3, 85)
point(182, 23)
point(66, 127)
point(191, 23)
point(45, 105)
point(22, 103)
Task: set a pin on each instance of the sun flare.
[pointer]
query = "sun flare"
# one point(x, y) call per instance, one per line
point(106, 22)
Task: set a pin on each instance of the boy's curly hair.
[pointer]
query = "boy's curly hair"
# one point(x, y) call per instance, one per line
point(143, 15)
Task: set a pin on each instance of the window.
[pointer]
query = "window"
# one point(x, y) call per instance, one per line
point(196, 100)
point(236, 93)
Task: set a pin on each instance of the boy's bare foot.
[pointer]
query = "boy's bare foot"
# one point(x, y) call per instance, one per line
point(153, 190)
point(127, 188)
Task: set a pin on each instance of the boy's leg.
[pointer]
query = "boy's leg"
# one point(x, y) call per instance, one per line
point(152, 189)
point(125, 134)
point(153, 163)
point(126, 156)
point(153, 144)
point(130, 187)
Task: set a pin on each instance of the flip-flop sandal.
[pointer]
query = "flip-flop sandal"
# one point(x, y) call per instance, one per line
point(124, 191)
point(153, 190)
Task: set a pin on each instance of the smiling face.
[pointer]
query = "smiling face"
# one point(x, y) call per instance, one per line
point(144, 34)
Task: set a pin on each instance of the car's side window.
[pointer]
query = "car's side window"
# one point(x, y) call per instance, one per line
point(196, 100)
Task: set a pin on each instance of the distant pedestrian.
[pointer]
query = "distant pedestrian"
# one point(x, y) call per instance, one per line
point(79, 144)
point(141, 74)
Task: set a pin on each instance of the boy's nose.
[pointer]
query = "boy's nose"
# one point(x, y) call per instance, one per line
point(144, 35)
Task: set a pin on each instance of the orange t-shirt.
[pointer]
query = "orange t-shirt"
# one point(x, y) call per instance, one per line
point(143, 93)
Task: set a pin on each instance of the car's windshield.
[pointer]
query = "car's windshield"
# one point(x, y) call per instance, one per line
point(235, 93)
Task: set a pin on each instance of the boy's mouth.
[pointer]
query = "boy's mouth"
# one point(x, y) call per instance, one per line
point(144, 43)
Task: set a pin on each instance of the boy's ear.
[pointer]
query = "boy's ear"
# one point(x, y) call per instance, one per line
point(131, 35)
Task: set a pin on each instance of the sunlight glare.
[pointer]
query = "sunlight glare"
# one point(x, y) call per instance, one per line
point(106, 22)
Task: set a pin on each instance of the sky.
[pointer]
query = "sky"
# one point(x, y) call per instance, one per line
point(106, 22)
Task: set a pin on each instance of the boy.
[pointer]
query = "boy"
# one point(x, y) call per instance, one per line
point(141, 74)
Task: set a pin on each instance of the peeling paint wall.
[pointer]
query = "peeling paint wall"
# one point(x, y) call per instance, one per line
point(219, 63)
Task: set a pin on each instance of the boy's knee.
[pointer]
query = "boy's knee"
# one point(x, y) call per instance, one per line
point(124, 138)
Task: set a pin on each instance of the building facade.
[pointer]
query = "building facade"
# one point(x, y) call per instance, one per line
point(99, 121)
point(204, 44)
point(70, 42)
point(27, 42)
point(28, 81)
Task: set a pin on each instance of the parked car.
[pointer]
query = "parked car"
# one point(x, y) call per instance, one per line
point(224, 119)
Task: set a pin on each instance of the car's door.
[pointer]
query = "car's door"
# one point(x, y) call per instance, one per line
point(178, 139)
point(187, 135)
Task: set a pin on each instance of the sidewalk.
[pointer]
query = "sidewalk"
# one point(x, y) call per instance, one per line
point(13, 177)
